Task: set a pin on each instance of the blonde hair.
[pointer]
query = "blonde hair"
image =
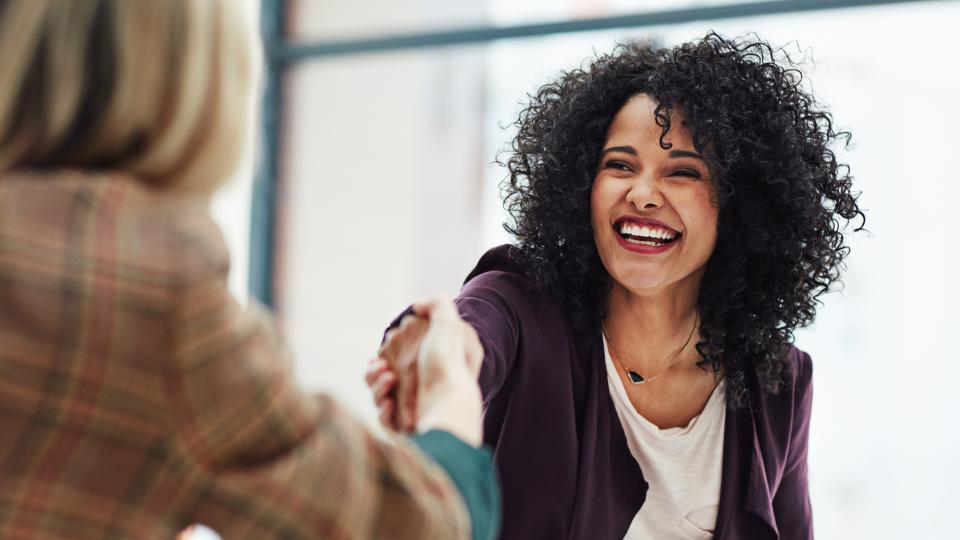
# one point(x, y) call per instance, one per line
point(159, 89)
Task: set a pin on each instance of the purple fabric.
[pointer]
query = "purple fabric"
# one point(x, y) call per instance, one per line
point(559, 447)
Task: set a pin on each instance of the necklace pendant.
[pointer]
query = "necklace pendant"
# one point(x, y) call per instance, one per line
point(635, 377)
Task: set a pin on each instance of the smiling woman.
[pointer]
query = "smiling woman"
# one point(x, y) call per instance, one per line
point(677, 214)
point(137, 396)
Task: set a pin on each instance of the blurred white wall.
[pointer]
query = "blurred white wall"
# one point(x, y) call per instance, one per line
point(382, 164)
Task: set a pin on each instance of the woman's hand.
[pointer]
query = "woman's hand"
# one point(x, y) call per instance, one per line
point(382, 381)
point(393, 376)
point(425, 375)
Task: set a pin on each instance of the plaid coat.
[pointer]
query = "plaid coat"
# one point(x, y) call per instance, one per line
point(136, 396)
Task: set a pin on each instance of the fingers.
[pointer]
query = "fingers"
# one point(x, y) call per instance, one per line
point(388, 415)
point(387, 339)
point(406, 397)
point(383, 386)
point(400, 354)
point(426, 347)
point(399, 336)
point(374, 368)
point(383, 383)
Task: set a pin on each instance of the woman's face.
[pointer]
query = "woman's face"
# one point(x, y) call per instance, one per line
point(652, 211)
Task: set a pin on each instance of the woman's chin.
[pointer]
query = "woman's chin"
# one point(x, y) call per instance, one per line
point(656, 282)
point(644, 285)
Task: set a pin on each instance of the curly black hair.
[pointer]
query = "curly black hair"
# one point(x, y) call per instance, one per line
point(780, 191)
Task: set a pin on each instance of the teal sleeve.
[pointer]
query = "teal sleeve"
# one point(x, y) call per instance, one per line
point(471, 470)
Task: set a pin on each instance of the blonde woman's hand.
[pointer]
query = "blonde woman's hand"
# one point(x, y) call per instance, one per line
point(382, 381)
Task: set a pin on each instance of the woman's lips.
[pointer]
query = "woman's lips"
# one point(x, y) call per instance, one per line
point(643, 248)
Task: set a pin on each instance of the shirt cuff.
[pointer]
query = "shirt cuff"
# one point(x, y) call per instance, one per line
point(471, 470)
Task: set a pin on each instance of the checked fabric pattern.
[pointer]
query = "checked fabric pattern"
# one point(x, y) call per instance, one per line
point(137, 397)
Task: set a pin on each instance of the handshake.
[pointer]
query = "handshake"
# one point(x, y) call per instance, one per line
point(425, 374)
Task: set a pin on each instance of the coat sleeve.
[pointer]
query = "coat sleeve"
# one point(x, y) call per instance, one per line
point(493, 304)
point(257, 458)
point(791, 503)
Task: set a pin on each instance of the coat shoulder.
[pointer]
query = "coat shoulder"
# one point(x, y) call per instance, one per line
point(500, 279)
point(778, 410)
point(799, 373)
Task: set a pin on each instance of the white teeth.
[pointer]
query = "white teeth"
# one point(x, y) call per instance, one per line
point(646, 231)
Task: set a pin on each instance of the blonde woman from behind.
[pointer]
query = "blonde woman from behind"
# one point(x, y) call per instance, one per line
point(136, 396)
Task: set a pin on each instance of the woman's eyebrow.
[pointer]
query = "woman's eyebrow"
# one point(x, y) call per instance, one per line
point(687, 153)
point(624, 149)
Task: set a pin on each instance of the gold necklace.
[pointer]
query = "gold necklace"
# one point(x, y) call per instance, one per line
point(635, 377)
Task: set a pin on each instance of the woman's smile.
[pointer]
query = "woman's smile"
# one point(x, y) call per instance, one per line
point(646, 235)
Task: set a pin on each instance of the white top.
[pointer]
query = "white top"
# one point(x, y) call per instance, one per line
point(682, 465)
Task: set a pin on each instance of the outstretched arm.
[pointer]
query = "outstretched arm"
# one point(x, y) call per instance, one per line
point(254, 457)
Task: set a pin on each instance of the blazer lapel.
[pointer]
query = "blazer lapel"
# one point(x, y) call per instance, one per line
point(759, 499)
point(610, 486)
point(745, 494)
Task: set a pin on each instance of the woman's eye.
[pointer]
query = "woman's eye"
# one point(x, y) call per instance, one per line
point(618, 165)
point(689, 173)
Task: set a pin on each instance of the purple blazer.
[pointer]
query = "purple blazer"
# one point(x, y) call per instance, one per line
point(559, 447)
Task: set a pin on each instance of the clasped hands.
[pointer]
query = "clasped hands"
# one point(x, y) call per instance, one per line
point(425, 374)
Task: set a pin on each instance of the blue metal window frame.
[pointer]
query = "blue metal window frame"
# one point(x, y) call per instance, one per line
point(280, 55)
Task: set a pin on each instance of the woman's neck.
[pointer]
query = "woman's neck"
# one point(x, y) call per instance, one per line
point(649, 330)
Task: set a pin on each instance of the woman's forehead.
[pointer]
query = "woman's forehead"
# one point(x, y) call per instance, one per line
point(636, 121)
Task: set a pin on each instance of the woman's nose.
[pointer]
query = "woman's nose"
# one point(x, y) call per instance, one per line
point(645, 193)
